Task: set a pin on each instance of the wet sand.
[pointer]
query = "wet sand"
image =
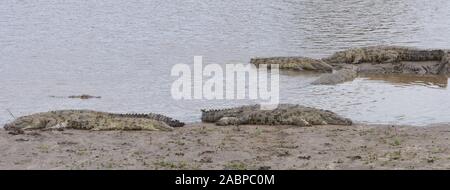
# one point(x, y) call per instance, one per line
point(205, 146)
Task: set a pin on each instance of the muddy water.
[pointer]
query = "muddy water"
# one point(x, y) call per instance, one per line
point(123, 51)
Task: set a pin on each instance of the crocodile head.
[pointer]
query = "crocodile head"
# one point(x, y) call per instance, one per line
point(28, 122)
point(20, 123)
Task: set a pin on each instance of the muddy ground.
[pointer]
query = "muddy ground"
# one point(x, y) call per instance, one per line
point(205, 146)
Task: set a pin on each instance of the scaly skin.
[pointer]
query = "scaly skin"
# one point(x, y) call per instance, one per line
point(294, 63)
point(92, 120)
point(171, 122)
point(285, 114)
point(445, 62)
point(384, 54)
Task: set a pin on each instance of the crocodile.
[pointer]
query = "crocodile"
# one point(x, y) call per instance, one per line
point(83, 97)
point(346, 65)
point(284, 114)
point(385, 54)
point(294, 63)
point(92, 120)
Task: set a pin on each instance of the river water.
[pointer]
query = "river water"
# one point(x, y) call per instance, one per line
point(123, 50)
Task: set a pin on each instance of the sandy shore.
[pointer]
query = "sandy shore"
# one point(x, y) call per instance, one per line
point(205, 146)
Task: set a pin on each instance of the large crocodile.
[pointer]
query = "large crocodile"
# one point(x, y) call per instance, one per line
point(347, 64)
point(385, 54)
point(285, 114)
point(93, 120)
point(294, 63)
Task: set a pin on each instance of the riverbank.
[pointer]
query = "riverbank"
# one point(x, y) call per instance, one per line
point(205, 146)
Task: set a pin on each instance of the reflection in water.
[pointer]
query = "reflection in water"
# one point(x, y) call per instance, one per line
point(410, 79)
point(124, 50)
point(293, 73)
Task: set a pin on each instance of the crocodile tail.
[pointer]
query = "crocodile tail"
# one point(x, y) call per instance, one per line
point(169, 121)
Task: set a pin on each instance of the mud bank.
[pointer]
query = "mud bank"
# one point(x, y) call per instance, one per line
point(206, 146)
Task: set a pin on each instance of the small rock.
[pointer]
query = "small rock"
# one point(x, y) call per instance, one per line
point(179, 154)
point(304, 157)
point(353, 158)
